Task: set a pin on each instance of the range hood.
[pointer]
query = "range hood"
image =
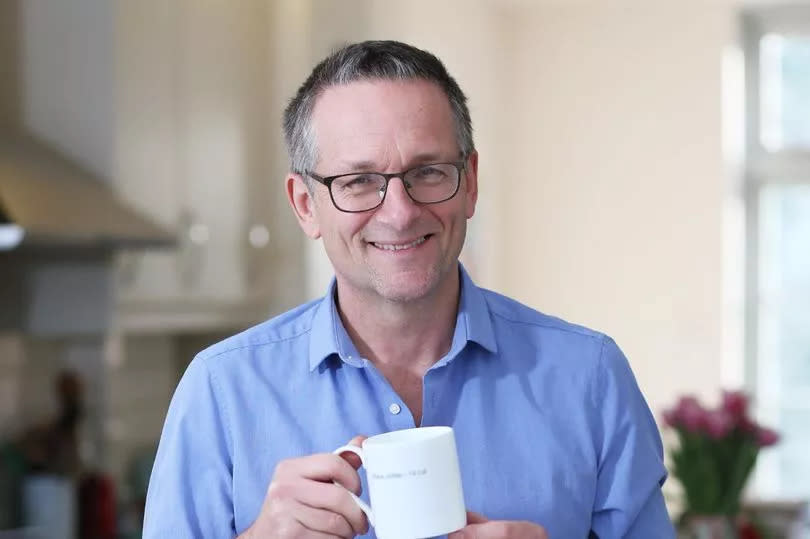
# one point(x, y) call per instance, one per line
point(47, 200)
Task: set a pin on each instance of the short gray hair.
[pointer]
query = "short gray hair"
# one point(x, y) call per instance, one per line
point(369, 60)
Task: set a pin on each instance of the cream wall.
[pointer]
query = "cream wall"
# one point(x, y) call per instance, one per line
point(616, 221)
point(472, 39)
point(601, 171)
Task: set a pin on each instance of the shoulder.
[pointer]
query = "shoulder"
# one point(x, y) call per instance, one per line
point(508, 312)
point(284, 329)
point(556, 341)
point(267, 356)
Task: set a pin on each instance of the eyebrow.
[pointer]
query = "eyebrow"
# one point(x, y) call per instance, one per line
point(415, 161)
point(357, 166)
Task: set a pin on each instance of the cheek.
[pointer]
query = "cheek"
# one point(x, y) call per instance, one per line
point(461, 227)
point(348, 230)
point(337, 227)
point(456, 220)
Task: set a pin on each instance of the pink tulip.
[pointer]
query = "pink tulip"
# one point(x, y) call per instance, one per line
point(690, 414)
point(766, 437)
point(748, 425)
point(719, 423)
point(670, 418)
point(735, 403)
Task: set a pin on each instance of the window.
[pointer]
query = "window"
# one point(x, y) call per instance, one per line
point(777, 192)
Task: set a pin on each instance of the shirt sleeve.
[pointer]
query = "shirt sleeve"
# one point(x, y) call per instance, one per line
point(628, 501)
point(190, 490)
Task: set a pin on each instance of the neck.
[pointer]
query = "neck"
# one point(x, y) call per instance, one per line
point(404, 336)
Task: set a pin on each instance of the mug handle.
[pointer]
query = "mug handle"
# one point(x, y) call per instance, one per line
point(360, 503)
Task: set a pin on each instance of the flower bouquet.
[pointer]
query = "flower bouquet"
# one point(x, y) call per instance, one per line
point(715, 455)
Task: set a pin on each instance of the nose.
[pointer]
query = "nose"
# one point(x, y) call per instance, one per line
point(398, 208)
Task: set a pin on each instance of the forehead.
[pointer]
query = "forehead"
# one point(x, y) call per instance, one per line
point(384, 123)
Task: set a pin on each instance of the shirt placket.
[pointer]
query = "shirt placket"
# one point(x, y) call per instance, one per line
point(397, 415)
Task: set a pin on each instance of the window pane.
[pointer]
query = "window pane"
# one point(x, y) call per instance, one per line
point(783, 370)
point(785, 92)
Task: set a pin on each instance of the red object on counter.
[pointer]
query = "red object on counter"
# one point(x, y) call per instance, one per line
point(97, 503)
point(749, 531)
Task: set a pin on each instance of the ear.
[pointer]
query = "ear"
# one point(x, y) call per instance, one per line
point(303, 205)
point(471, 184)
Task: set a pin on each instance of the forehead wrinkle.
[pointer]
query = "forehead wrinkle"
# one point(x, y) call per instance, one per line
point(396, 137)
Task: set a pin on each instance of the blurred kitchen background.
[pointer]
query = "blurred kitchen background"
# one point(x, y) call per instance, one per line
point(645, 170)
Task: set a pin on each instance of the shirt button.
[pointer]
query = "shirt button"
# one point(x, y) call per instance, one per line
point(394, 408)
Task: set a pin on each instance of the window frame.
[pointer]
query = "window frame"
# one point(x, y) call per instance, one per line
point(763, 168)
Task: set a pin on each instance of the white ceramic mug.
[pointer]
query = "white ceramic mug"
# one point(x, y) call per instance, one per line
point(414, 483)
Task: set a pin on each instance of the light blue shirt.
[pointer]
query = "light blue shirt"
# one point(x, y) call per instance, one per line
point(550, 424)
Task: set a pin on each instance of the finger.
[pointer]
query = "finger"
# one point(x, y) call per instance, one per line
point(351, 458)
point(322, 467)
point(472, 518)
point(465, 533)
point(358, 440)
point(314, 534)
point(320, 520)
point(500, 528)
point(332, 498)
point(484, 530)
point(291, 527)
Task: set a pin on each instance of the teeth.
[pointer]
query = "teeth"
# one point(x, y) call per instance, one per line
point(388, 247)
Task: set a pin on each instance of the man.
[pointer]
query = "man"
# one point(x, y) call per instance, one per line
point(554, 436)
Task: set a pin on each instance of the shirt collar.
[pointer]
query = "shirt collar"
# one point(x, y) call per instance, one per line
point(328, 336)
point(474, 315)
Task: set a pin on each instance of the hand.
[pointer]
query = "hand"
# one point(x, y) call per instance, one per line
point(479, 527)
point(303, 503)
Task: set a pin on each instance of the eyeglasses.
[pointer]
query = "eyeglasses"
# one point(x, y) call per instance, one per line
point(364, 191)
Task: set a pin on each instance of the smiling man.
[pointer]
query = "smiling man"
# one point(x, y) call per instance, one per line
point(553, 434)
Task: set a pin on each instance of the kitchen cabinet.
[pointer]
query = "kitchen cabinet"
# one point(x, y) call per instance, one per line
point(201, 86)
point(199, 149)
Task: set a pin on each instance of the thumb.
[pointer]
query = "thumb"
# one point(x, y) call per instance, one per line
point(471, 530)
point(476, 518)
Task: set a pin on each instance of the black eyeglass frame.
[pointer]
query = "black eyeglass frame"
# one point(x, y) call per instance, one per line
point(327, 181)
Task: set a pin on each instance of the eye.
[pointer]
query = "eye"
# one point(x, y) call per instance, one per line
point(356, 181)
point(429, 172)
point(361, 180)
point(430, 175)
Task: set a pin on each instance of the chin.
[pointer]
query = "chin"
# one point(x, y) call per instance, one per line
point(408, 287)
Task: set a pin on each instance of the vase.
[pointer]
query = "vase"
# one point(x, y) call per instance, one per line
point(710, 527)
point(49, 506)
